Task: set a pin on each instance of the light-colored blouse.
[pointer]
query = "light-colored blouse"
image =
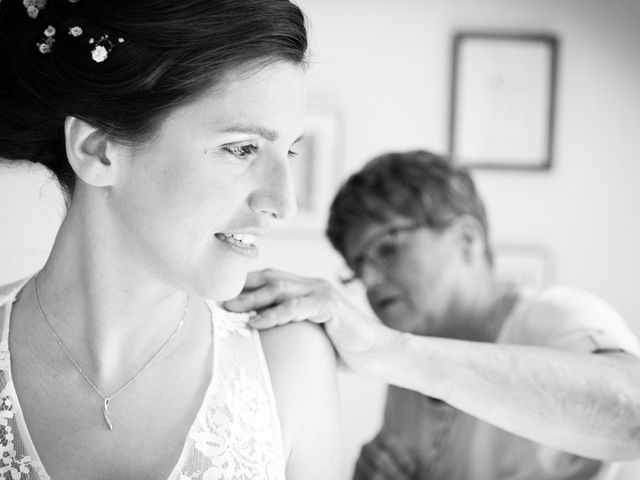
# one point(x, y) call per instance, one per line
point(446, 443)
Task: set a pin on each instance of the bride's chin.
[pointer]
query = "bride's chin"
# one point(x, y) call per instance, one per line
point(226, 287)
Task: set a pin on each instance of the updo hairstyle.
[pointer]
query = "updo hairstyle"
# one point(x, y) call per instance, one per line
point(160, 54)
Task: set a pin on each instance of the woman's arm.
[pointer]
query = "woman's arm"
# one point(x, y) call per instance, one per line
point(302, 366)
point(586, 404)
point(583, 403)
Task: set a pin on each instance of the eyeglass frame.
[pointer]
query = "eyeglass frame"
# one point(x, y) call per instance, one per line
point(365, 258)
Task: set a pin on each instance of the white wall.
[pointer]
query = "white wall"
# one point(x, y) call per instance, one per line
point(385, 66)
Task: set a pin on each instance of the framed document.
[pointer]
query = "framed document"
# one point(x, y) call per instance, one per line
point(503, 100)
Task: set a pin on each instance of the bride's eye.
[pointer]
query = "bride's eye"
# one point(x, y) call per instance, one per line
point(241, 151)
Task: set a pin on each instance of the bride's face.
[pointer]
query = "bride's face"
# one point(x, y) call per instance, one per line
point(192, 200)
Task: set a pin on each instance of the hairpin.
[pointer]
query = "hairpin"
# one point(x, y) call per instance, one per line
point(48, 41)
point(102, 47)
point(34, 6)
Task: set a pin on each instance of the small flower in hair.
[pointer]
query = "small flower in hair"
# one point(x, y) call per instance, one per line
point(45, 45)
point(34, 6)
point(44, 48)
point(102, 48)
point(75, 31)
point(99, 54)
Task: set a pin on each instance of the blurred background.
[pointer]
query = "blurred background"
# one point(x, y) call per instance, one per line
point(381, 80)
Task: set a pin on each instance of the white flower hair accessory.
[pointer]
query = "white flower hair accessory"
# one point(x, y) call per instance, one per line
point(34, 6)
point(102, 47)
point(47, 42)
point(75, 31)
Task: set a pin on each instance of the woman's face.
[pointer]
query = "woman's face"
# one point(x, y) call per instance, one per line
point(191, 202)
point(416, 284)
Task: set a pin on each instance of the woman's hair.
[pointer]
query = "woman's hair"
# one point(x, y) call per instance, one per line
point(418, 185)
point(124, 65)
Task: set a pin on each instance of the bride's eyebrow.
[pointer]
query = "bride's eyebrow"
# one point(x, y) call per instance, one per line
point(266, 133)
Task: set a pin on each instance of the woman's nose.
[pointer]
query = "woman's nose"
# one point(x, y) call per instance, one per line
point(371, 275)
point(275, 193)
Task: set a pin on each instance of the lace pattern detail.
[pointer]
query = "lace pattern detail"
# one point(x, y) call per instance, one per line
point(15, 462)
point(231, 322)
point(233, 437)
point(237, 435)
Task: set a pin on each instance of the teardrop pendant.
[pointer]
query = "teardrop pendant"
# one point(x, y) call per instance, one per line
point(105, 413)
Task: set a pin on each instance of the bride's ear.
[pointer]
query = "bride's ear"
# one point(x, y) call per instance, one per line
point(90, 153)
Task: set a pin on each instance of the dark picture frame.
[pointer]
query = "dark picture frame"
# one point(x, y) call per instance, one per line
point(503, 97)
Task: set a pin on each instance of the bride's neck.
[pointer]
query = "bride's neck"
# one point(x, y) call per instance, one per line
point(99, 297)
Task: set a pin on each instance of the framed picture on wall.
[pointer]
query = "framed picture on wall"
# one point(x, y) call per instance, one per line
point(523, 266)
point(502, 108)
point(315, 168)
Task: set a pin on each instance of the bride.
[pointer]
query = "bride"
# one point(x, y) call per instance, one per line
point(170, 126)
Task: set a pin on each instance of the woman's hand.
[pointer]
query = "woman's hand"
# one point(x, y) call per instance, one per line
point(280, 297)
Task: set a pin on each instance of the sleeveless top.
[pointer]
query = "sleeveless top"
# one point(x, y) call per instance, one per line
point(236, 433)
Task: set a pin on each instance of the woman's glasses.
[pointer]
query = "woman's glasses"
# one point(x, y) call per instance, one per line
point(381, 251)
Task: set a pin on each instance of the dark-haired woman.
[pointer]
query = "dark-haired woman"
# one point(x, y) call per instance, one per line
point(170, 126)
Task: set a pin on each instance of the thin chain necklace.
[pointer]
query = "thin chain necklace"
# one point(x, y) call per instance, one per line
point(106, 399)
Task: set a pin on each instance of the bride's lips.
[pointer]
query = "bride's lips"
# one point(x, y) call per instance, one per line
point(241, 243)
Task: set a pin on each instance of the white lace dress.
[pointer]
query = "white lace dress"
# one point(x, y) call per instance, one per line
point(235, 436)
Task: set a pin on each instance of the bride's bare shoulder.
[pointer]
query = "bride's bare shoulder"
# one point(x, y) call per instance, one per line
point(301, 339)
point(302, 366)
point(298, 354)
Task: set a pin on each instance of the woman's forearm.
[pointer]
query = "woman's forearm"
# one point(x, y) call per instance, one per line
point(587, 404)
